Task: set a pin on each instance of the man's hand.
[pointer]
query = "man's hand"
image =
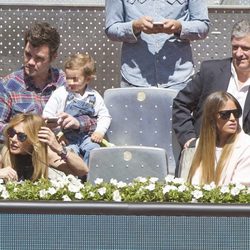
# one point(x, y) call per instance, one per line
point(51, 123)
point(68, 121)
point(144, 24)
point(171, 26)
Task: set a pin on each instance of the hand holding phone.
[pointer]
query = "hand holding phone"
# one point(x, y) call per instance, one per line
point(158, 25)
point(52, 120)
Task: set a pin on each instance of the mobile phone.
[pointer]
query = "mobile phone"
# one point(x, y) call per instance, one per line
point(158, 25)
point(52, 120)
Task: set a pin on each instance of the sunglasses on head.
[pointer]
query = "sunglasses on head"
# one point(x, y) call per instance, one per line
point(11, 132)
point(225, 114)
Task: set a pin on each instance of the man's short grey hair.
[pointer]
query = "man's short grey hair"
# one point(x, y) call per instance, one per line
point(241, 29)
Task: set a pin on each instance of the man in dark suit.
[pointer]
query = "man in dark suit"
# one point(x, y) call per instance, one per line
point(231, 75)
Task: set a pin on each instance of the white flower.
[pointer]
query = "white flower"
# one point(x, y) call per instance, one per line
point(182, 188)
point(75, 181)
point(197, 194)
point(150, 187)
point(240, 186)
point(207, 187)
point(78, 196)
point(194, 201)
point(224, 189)
point(102, 190)
point(121, 184)
point(62, 178)
point(153, 179)
point(2, 188)
point(57, 184)
point(116, 196)
point(113, 181)
point(72, 178)
point(235, 191)
point(178, 181)
point(5, 194)
point(168, 188)
point(74, 188)
point(51, 191)
point(42, 193)
point(141, 179)
point(212, 184)
point(91, 194)
point(169, 178)
point(66, 198)
point(1, 181)
point(98, 181)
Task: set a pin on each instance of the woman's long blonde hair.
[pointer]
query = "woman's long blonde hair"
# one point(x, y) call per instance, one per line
point(39, 154)
point(205, 154)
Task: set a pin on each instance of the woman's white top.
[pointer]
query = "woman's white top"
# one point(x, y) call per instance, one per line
point(237, 168)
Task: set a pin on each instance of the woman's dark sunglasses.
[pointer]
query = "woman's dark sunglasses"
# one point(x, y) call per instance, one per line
point(11, 132)
point(225, 114)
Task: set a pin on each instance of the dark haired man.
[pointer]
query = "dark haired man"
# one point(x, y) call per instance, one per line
point(28, 89)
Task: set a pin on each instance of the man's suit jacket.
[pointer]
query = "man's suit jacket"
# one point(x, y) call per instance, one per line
point(214, 75)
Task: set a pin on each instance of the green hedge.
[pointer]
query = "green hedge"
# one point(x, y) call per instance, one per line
point(69, 188)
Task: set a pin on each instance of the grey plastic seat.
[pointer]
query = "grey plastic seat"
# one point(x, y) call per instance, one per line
point(143, 117)
point(127, 162)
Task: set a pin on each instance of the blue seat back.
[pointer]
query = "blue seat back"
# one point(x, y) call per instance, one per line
point(143, 116)
point(127, 162)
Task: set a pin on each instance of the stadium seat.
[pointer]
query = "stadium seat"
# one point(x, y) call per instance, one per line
point(143, 117)
point(127, 162)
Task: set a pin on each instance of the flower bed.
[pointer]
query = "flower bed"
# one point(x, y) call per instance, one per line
point(68, 188)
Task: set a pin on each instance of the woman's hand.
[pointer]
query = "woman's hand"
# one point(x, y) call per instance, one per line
point(73, 164)
point(46, 135)
point(9, 174)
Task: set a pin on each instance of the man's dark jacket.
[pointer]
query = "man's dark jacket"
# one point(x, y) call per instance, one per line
point(214, 75)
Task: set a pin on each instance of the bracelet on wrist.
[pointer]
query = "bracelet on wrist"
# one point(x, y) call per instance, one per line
point(63, 153)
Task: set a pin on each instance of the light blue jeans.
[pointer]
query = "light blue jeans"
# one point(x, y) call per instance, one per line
point(81, 144)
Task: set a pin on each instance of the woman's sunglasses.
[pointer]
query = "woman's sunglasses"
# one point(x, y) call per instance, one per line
point(225, 114)
point(11, 132)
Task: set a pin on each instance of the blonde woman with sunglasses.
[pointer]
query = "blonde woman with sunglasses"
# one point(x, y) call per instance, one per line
point(222, 152)
point(31, 148)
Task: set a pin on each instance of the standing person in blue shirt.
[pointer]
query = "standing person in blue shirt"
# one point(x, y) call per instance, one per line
point(156, 55)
